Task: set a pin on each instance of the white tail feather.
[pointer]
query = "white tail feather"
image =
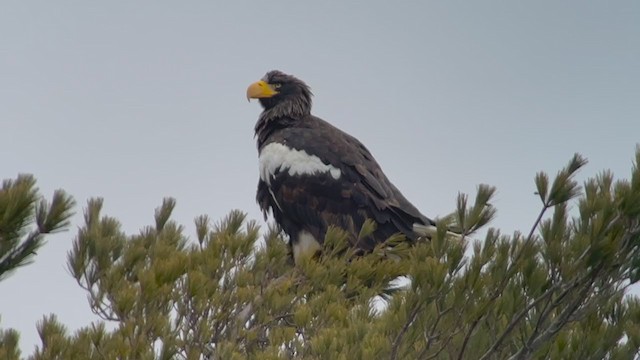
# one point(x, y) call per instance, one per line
point(430, 230)
point(424, 230)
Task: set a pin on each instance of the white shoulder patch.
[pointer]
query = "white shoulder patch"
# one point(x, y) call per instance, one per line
point(278, 157)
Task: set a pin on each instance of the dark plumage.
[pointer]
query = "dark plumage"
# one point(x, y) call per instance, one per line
point(313, 175)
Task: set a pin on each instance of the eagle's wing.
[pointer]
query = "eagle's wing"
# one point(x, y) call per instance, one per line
point(315, 175)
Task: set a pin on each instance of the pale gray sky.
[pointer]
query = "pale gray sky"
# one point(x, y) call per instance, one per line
point(134, 101)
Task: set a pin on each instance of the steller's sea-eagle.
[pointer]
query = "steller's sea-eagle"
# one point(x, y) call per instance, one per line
point(313, 175)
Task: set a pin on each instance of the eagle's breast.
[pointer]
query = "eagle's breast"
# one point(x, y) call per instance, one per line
point(276, 157)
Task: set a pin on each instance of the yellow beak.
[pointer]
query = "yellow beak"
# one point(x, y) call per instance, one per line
point(260, 89)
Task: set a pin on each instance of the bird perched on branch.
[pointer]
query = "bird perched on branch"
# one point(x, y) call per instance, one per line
point(313, 175)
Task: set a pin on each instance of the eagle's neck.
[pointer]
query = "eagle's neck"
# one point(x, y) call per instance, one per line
point(292, 106)
point(266, 126)
point(280, 115)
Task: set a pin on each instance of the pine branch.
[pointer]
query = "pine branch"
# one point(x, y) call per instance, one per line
point(560, 321)
point(405, 327)
point(515, 321)
point(21, 255)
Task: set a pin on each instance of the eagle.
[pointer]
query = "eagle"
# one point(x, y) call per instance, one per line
point(314, 175)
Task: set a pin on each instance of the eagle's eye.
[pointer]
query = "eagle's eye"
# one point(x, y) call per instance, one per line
point(276, 85)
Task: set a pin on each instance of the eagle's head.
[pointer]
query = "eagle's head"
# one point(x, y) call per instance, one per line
point(281, 94)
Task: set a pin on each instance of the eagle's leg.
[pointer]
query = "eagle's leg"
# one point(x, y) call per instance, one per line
point(304, 245)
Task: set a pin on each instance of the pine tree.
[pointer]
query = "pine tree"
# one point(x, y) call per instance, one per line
point(25, 217)
point(555, 291)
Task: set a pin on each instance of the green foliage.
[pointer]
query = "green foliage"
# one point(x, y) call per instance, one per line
point(556, 291)
point(9, 347)
point(24, 218)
